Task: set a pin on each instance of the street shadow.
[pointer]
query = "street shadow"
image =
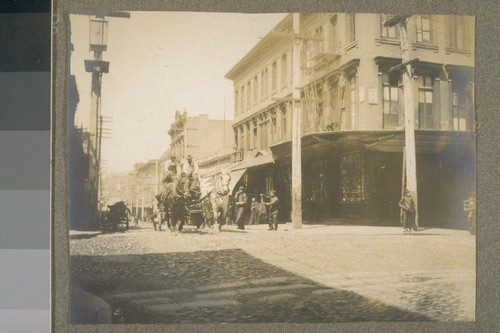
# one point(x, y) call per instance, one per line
point(84, 236)
point(226, 286)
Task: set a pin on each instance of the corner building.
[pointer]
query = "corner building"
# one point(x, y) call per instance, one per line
point(352, 115)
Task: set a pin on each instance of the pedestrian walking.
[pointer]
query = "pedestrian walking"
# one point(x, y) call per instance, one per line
point(241, 203)
point(273, 211)
point(407, 206)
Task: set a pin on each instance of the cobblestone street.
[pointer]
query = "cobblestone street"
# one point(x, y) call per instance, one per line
point(318, 274)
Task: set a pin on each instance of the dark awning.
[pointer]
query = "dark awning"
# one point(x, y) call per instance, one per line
point(382, 140)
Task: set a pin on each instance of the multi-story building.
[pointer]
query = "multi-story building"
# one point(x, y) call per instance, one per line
point(352, 115)
point(199, 136)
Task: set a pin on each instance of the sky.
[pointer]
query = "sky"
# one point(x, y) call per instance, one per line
point(161, 62)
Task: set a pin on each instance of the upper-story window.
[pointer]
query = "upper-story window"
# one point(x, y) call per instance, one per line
point(236, 102)
point(266, 82)
point(351, 27)
point(390, 100)
point(249, 93)
point(284, 70)
point(457, 28)
point(242, 99)
point(388, 32)
point(423, 29)
point(354, 102)
point(426, 117)
point(262, 85)
point(274, 76)
point(255, 89)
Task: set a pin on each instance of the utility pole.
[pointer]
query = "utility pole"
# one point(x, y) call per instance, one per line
point(98, 33)
point(296, 125)
point(409, 108)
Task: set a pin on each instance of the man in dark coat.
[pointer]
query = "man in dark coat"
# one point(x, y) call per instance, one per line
point(241, 203)
point(407, 206)
point(273, 211)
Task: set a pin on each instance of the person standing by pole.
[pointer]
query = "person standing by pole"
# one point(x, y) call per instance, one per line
point(409, 110)
point(407, 206)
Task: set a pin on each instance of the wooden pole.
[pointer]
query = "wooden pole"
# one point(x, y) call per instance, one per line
point(410, 153)
point(296, 138)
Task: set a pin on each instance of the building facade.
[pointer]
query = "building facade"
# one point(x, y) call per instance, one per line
point(352, 114)
point(199, 136)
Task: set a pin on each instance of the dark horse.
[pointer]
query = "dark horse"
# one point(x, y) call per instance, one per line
point(173, 203)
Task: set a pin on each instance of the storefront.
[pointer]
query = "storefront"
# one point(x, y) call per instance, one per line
point(357, 176)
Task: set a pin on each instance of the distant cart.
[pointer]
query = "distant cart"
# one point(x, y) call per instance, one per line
point(116, 218)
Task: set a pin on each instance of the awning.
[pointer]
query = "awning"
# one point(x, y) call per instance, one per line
point(235, 178)
point(381, 140)
point(254, 162)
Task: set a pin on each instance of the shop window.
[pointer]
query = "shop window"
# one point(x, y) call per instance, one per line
point(426, 117)
point(352, 178)
point(317, 181)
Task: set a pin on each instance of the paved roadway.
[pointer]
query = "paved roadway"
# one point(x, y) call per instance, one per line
point(318, 274)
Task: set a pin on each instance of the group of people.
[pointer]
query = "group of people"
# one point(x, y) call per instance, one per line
point(187, 170)
point(241, 203)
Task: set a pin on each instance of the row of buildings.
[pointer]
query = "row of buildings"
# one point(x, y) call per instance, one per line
point(352, 114)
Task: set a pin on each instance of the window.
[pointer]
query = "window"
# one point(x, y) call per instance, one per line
point(425, 103)
point(273, 130)
point(249, 93)
point(353, 105)
point(333, 34)
point(255, 89)
point(254, 140)
point(461, 103)
point(424, 33)
point(284, 70)
point(351, 28)
point(274, 76)
point(390, 100)
point(388, 32)
point(262, 85)
point(242, 98)
point(266, 82)
point(352, 178)
point(457, 32)
point(283, 124)
point(236, 102)
point(317, 181)
point(248, 138)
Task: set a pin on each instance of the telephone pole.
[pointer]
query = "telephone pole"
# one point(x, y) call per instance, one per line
point(409, 108)
point(296, 124)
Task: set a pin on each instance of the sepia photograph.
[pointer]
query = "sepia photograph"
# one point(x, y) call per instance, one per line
point(271, 167)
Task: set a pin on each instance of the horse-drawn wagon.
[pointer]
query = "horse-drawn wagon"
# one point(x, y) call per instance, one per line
point(117, 215)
